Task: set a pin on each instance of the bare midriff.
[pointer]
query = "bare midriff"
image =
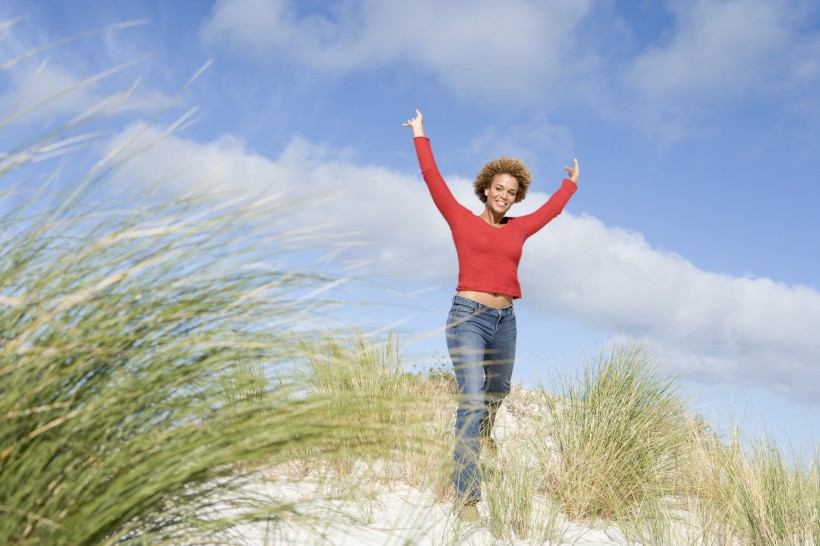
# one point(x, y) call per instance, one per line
point(490, 299)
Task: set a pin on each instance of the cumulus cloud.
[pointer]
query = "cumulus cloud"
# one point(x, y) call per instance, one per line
point(714, 327)
point(43, 82)
point(720, 49)
point(548, 56)
point(739, 330)
point(501, 49)
point(718, 54)
point(316, 186)
point(49, 91)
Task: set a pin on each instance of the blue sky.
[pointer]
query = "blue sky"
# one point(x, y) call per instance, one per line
point(696, 125)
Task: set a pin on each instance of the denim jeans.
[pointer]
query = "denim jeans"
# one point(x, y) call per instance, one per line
point(481, 342)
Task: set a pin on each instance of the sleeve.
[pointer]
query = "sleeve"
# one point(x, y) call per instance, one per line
point(533, 222)
point(442, 197)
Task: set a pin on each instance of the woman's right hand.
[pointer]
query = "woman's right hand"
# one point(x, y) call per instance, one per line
point(573, 172)
point(416, 124)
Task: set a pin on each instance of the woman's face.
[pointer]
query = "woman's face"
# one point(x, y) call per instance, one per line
point(501, 193)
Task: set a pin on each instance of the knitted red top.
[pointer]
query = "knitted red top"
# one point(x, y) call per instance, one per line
point(488, 256)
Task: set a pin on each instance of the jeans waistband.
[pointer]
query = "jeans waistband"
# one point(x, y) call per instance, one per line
point(479, 307)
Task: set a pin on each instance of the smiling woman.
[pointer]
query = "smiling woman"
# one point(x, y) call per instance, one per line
point(481, 326)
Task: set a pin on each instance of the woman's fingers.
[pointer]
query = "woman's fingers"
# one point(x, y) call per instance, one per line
point(574, 171)
point(412, 121)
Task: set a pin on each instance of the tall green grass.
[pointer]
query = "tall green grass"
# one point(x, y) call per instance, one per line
point(756, 493)
point(146, 351)
point(615, 436)
point(412, 410)
point(127, 407)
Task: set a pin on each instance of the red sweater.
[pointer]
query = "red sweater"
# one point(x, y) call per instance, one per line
point(487, 256)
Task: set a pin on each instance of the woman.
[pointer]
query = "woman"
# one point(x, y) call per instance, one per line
point(481, 324)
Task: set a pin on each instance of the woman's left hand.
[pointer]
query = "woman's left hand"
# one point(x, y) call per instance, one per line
point(574, 172)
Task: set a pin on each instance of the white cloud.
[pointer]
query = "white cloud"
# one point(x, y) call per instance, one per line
point(740, 330)
point(719, 56)
point(548, 56)
point(749, 331)
point(48, 82)
point(722, 48)
point(50, 91)
point(508, 49)
point(361, 204)
point(255, 26)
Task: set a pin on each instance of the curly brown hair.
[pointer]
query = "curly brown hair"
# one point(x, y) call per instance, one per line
point(503, 165)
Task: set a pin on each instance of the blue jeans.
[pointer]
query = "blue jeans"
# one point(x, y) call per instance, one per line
point(481, 341)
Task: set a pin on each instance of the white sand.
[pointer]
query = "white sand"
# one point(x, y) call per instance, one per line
point(402, 516)
point(399, 514)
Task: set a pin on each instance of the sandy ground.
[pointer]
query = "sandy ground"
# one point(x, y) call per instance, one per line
point(399, 514)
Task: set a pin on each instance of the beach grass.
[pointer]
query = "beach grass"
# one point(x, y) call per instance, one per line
point(136, 387)
point(615, 436)
point(147, 347)
point(758, 493)
point(412, 409)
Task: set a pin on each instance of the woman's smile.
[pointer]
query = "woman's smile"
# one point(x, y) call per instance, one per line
point(501, 194)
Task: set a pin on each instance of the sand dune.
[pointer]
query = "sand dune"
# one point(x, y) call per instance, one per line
point(379, 512)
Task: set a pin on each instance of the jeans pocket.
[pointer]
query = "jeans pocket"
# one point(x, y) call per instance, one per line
point(460, 310)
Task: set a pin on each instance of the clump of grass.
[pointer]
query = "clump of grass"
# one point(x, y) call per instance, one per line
point(116, 421)
point(127, 413)
point(515, 481)
point(369, 375)
point(614, 445)
point(410, 409)
point(511, 485)
point(757, 495)
point(615, 436)
point(431, 461)
point(814, 479)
